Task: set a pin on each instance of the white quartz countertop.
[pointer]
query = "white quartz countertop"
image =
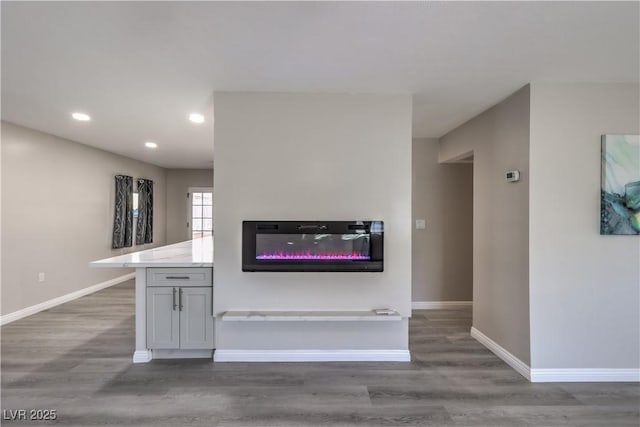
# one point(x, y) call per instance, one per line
point(191, 253)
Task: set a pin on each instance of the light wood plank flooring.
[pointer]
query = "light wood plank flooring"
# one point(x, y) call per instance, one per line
point(76, 358)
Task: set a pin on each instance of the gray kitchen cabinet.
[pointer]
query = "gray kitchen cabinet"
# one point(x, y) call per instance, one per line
point(180, 309)
point(196, 319)
point(163, 318)
point(179, 318)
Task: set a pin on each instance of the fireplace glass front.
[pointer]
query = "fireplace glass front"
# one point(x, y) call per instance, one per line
point(312, 246)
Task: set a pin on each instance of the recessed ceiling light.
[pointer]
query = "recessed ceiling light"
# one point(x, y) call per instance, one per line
point(150, 144)
point(196, 118)
point(81, 117)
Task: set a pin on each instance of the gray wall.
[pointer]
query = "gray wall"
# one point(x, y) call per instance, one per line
point(499, 140)
point(585, 298)
point(57, 213)
point(442, 252)
point(312, 156)
point(178, 183)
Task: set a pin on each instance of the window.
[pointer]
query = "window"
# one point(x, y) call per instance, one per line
point(201, 205)
point(135, 205)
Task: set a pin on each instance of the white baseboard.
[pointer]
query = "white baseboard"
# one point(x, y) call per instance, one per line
point(28, 311)
point(556, 375)
point(439, 305)
point(511, 360)
point(311, 356)
point(142, 356)
point(584, 375)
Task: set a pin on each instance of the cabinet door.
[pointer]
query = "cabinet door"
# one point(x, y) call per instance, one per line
point(163, 321)
point(196, 318)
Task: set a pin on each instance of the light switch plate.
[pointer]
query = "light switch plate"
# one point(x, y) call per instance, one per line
point(421, 224)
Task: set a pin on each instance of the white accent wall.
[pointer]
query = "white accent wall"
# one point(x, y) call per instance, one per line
point(57, 215)
point(312, 157)
point(585, 288)
point(499, 142)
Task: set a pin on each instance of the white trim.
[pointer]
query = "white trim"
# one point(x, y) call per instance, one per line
point(439, 305)
point(517, 364)
point(311, 356)
point(556, 375)
point(142, 356)
point(28, 311)
point(584, 375)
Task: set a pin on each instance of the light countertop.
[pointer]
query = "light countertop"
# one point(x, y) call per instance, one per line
point(191, 253)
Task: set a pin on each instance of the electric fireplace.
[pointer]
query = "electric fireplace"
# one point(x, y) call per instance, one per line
point(312, 246)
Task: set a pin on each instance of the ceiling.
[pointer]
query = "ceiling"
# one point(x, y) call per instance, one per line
point(139, 68)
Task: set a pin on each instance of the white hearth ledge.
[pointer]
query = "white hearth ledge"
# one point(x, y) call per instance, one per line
point(308, 316)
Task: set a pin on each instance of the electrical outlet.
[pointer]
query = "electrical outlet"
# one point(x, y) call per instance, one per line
point(421, 224)
point(40, 277)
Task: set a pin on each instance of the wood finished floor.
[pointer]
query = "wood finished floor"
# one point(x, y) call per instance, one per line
point(76, 358)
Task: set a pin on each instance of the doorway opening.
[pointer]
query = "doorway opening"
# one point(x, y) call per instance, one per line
point(200, 204)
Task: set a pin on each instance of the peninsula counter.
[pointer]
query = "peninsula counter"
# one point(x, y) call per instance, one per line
point(173, 299)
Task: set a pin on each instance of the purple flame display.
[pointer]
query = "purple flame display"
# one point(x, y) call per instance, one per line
point(344, 256)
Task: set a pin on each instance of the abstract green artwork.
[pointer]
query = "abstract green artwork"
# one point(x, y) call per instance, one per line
point(620, 185)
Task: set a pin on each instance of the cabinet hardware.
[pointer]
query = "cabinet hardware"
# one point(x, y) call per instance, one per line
point(174, 299)
point(178, 277)
point(180, 299)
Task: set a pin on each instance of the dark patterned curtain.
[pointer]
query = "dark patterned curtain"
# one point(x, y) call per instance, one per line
point(144, 226)
point(123, 213)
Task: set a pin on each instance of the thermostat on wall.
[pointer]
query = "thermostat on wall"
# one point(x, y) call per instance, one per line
point(512, 176)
